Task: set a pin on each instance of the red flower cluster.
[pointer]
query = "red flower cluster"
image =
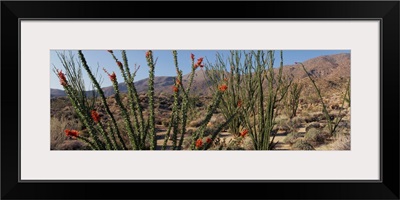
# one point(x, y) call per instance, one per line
point(222, 88)
point(176, 89)
point(199, 63)
point(192, 56)
point(209, 140)
point(148, 54)
point(95, 116)
point(61, 76)
point(71, 133)
point(112, 76)
point(199, 143)
point(244, 133)
point(119, 64)
point(110, 51)
point(178, 82)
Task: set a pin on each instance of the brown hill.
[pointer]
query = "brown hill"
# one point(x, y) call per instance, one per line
point(330, 66)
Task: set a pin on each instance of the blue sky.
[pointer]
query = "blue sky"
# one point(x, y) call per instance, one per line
point(165, 64)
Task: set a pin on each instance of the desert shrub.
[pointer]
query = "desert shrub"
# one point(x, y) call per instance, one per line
point(342, 142)
point(298, 121)
point(314, 125)
point(282, 124)
point(232, 144)
point(57, 135)
point(235, 145)
point(302, 145)
point(314, 137)
point(291, 138)
point(294, 123)
point(248, 144)
point(58, 139)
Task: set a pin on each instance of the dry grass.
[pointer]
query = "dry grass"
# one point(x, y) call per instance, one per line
point(291, 138)
point(58, 139)
point(342, 142)
point(314, 137)
point(302, 145)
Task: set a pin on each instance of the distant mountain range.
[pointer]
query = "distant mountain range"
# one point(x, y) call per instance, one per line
point(327, 67)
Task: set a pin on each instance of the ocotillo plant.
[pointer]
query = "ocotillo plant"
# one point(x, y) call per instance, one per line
point(255, 91)
point(230, 101)
point(103, 132)
point(293, 99)
point(266, 88)
point(81, 109)
point(332, 123)
point(73, 70)
point(180, 111)
point(137, 132)
point(347, 96)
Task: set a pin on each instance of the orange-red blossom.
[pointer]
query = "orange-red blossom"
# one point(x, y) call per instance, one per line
point(199, 63)
point(61, 76)
point(176, 89)
point(222, 88)
point(71, 133)
point(112, 76)
point(119, 64)
point(244, 133)
point(95, 116)
point(199, 143)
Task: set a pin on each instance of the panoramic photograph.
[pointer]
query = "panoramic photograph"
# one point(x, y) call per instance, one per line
point(212, 100)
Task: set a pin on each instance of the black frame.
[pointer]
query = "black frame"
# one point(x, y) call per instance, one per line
point(387, 12)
